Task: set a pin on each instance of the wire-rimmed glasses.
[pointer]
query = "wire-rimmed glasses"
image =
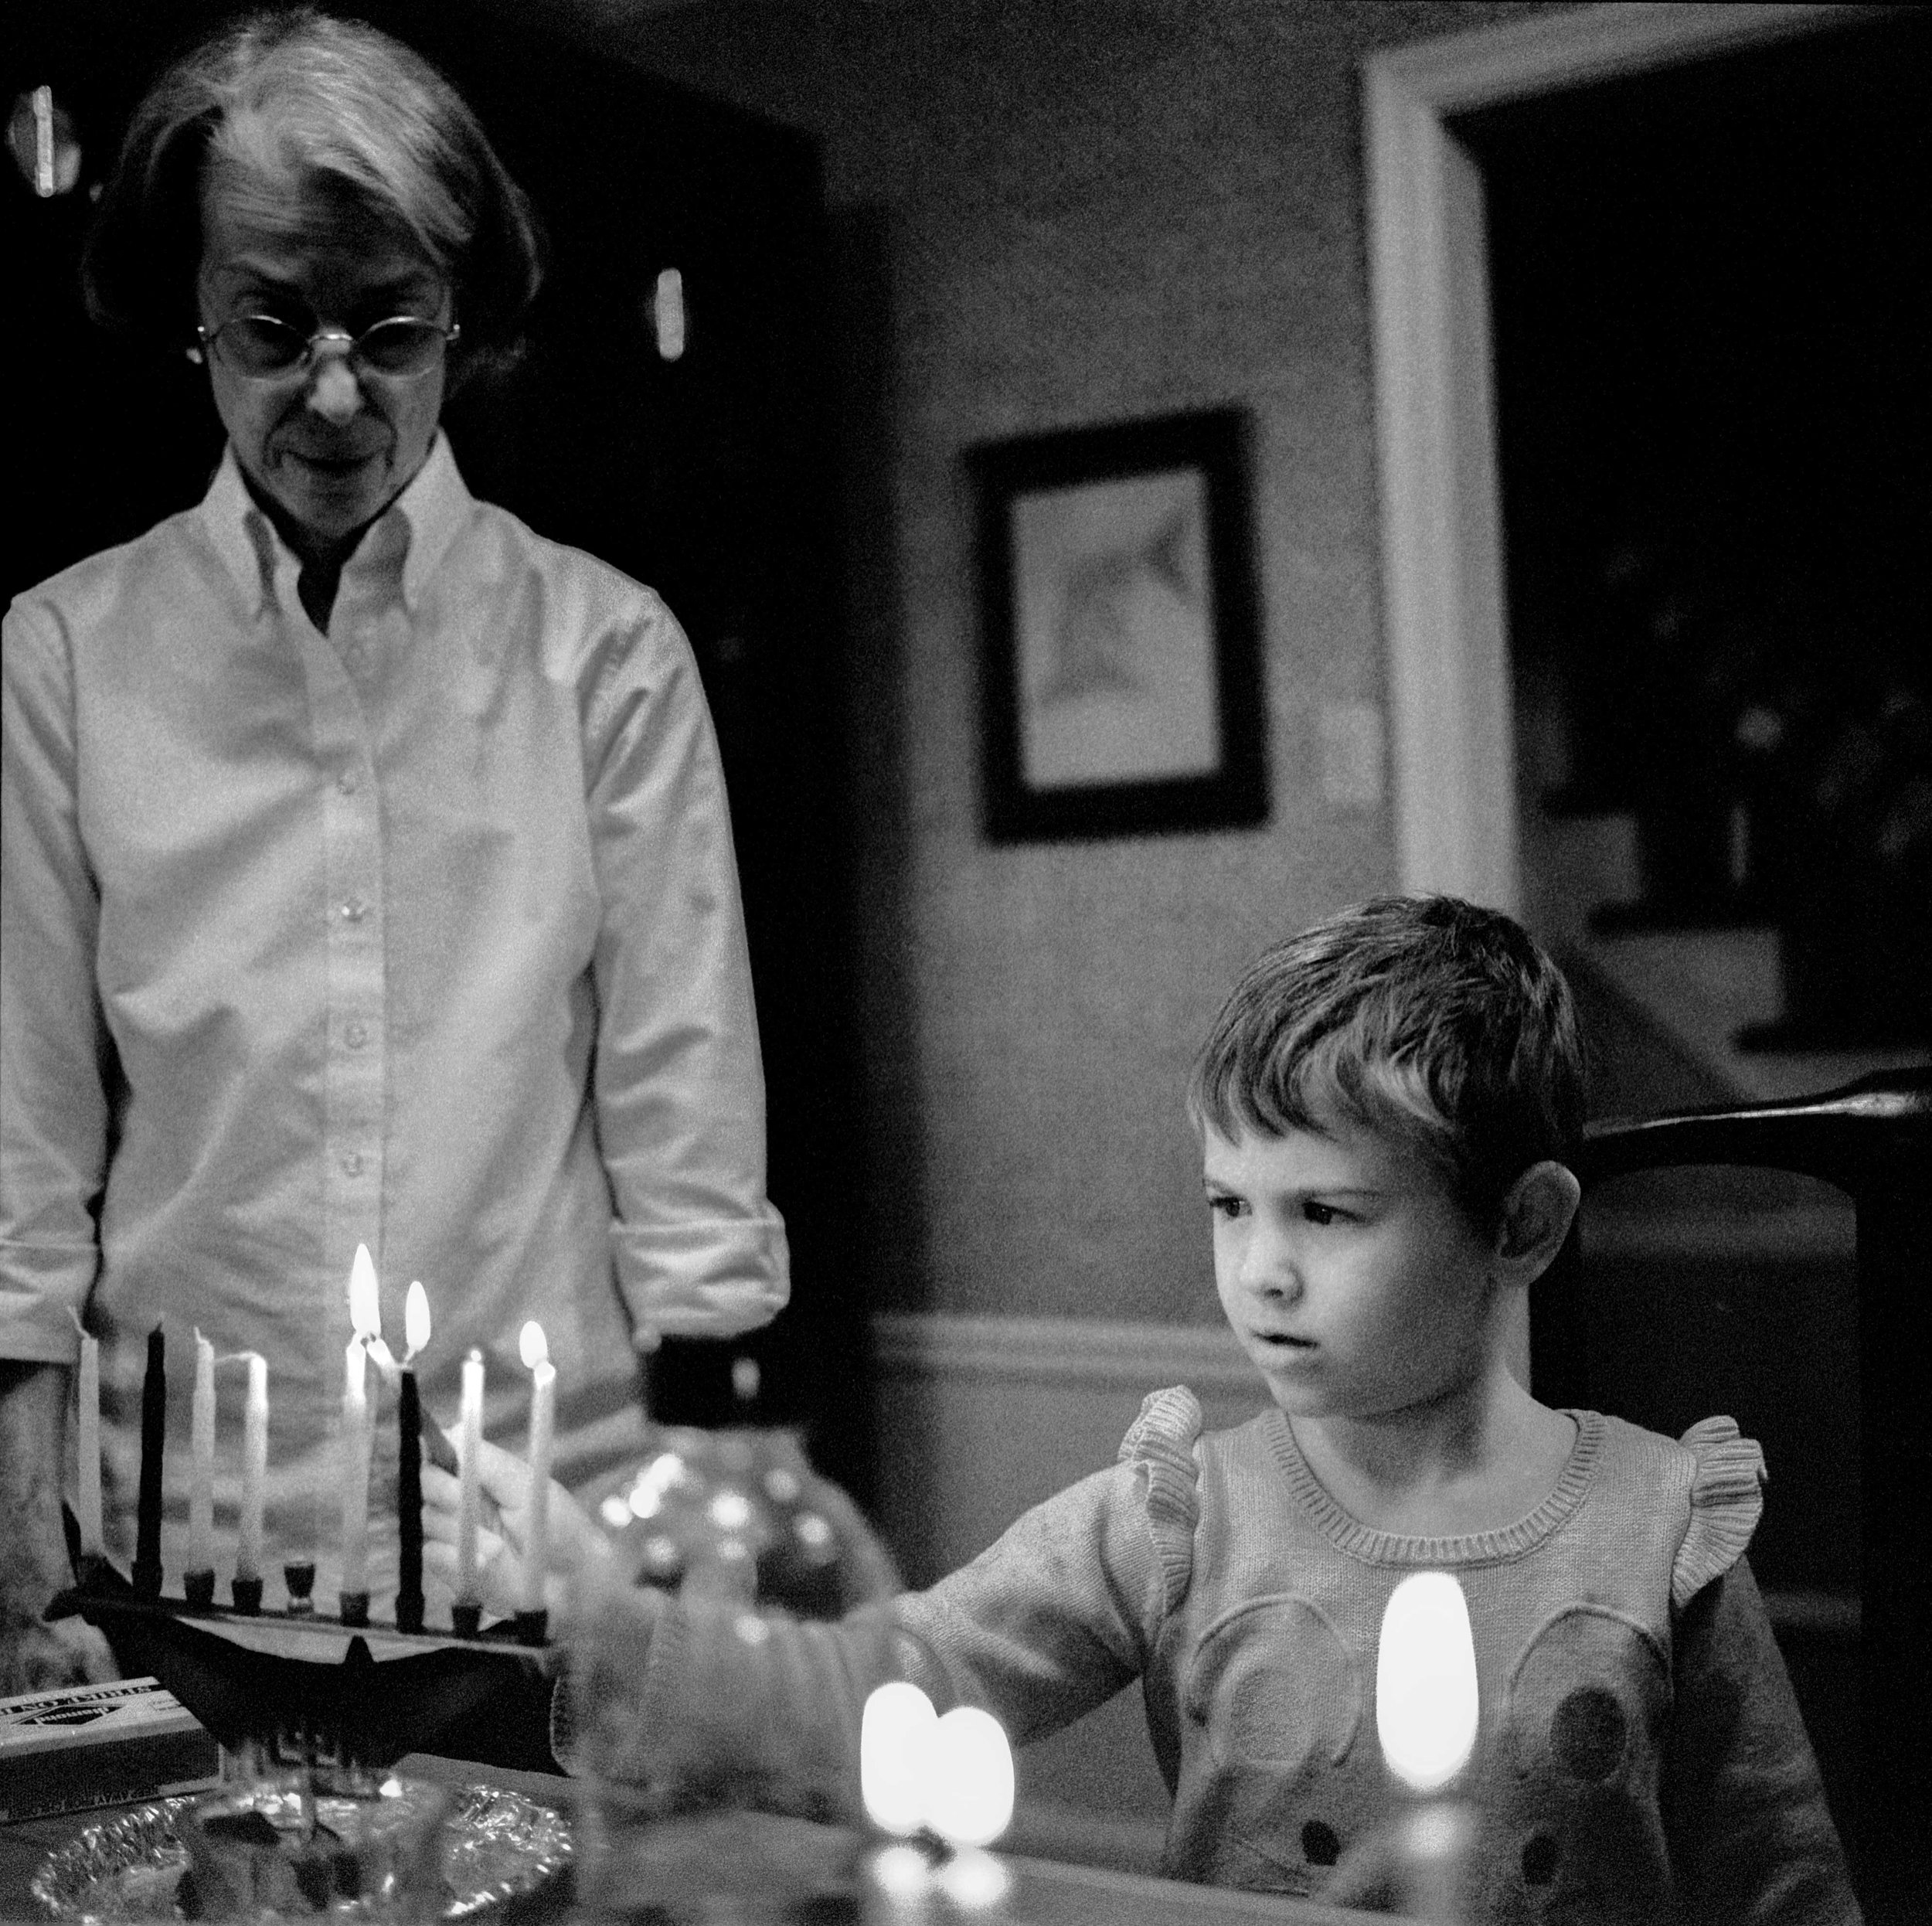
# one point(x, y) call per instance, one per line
point(263, 348)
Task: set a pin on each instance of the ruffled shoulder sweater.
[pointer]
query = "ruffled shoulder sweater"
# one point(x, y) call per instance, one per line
point(1641, 1757)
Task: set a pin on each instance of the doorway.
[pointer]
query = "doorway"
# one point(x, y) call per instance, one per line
point(1711, 288)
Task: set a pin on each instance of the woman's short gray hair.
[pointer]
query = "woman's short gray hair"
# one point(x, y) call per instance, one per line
point(307, 106)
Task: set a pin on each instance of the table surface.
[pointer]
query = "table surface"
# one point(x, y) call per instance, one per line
point(1044, 1894)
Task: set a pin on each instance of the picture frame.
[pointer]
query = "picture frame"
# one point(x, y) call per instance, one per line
point(1120, 682)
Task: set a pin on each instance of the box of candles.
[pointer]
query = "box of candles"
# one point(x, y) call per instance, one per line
point(92, 1745)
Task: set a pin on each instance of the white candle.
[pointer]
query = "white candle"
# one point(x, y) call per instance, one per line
point(88, 1467)
point(536, 1541)
point(201, 1434)
point(355, 1470)
point(358, 1423)
point(248, 1556)
point(469, 1475)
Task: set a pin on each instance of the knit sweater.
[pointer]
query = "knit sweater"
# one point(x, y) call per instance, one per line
point(1641, 1757)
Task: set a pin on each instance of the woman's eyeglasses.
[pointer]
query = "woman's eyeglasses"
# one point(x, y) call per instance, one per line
point(266, 349)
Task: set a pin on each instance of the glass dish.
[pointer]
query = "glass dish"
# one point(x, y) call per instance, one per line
point(127, 1870)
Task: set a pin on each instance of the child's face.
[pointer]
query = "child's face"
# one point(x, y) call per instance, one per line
point(1350, 1275)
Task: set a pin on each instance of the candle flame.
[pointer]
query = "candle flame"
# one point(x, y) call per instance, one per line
point(415, 1318)
point(532, 1346)
point(1425, 1706)
point(969, 1790)
point(365, 1298)
point(895, 1736)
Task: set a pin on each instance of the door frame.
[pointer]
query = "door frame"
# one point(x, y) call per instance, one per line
point(1444, 614)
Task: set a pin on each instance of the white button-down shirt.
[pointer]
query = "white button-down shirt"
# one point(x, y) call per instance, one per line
point(424, 932)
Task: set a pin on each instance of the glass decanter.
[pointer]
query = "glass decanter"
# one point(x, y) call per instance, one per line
point(732, 1798)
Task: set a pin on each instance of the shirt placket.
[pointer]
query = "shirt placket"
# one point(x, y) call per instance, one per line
point(343, 671)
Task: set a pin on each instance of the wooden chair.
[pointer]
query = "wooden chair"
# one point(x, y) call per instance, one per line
point(1872, 1140)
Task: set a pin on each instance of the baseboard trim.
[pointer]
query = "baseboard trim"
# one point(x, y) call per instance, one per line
point(1113, 1355)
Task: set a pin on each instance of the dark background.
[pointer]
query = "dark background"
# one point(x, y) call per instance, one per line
point(1712, 292)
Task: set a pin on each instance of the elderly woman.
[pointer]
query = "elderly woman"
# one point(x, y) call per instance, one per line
point(368, 874)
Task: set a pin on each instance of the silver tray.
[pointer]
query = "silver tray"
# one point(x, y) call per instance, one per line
point(123, 1871)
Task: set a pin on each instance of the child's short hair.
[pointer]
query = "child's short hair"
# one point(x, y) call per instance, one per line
point(1423, 1019)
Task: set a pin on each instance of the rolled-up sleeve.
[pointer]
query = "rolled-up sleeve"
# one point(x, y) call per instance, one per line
point(53, 1108)
point(679, 1084)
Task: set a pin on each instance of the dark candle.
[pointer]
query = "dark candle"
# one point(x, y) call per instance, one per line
point(154, 1435)
point(409, 1505)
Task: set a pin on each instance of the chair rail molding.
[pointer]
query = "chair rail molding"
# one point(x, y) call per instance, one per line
point(1450, 728)
point(1111, 1355)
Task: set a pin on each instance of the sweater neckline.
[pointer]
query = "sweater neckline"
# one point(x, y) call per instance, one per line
point(1373, 1546)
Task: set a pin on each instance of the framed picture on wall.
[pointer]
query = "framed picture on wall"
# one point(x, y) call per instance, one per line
point(1120, 675)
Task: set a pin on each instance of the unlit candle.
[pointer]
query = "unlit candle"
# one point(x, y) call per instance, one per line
point(201, 1440)
point(248, 1555)
point(469, 1475)
point(88, 1465)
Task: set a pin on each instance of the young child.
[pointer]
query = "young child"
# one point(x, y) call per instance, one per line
point(1385, 1106)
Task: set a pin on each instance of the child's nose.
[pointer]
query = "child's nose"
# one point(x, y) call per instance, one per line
point(1271, 1267)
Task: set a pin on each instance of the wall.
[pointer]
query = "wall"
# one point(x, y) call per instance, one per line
point(1089, 211)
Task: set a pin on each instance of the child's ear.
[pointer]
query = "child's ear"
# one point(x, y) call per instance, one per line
point(1536, 1217)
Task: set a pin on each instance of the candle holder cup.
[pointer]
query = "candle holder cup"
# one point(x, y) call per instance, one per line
point(300, 1578)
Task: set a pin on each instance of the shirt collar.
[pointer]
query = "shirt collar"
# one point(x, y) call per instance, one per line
point(426, 516)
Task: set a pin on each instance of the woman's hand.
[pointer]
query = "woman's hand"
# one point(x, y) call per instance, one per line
point(574, 1547)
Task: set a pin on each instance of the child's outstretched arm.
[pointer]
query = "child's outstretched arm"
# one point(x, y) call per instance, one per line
point(1751, 1838)
point(1049, 1621)
point(1058, 1615)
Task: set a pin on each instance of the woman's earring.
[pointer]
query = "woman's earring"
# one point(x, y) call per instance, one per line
point(194, 354)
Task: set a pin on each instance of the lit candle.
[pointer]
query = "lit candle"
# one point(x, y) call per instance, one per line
point(1426, 1710)
point(895, 1746)
point(416, 1322)
point(1426, 1717)
point(88, 1462)
point(248, 1555)
point(358, 1433)
point(469, 1475)
point(969, 1793)
point(536, 1538)
point(366, 1304)
point(154, 1445)
point(201, 1440)
point(409, 1466)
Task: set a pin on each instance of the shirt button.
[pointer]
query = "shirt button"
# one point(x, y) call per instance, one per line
point(352, 1162)
point(356, 1034)
point(354, 910)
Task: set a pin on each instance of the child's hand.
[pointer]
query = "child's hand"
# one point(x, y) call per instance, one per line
point(575, 1545)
